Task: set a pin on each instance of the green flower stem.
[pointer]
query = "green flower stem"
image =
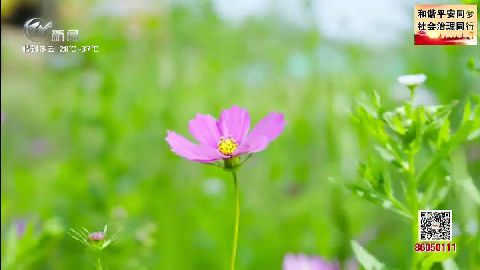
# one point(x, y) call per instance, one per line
point(412, 92)
point(412, 194)
point(237, 220)
point(99, 264)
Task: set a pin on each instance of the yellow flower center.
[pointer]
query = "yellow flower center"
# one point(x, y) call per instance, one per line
point(227, 146)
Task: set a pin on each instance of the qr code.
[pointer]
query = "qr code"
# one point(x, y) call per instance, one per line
point(435, 225)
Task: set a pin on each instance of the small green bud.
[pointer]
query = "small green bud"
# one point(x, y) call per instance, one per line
point(231, 164)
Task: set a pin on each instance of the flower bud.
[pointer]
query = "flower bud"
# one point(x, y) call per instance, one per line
point(96, 236)
point(231, 164)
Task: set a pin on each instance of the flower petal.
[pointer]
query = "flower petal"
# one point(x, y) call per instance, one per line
point(271, 126)
point(412, 80)
point(301, 261)
point(234, 122)
point(290, 262)
point(204, 129)
point(252, 145)
point(184, 148)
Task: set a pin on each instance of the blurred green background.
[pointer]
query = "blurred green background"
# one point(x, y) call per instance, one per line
point(82, 134)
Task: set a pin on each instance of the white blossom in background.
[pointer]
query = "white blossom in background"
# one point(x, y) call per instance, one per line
point(412, 80)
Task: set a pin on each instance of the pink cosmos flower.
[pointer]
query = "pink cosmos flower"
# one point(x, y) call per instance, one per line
point(226, 137)
point(304, 262)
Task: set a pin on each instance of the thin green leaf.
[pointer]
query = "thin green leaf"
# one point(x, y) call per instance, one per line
point(433, 257)
point(86, 231)
point(366, 259)
point(443, 133)
point(471, 190)
point(449, 264)
point(474, 135)
point(106, 244)
point(75, 235)
point(458, 138)
point(385, 154)
point(466, 111)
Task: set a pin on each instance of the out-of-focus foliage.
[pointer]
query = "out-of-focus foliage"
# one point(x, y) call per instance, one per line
point(472, 66)
point(23, 244)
